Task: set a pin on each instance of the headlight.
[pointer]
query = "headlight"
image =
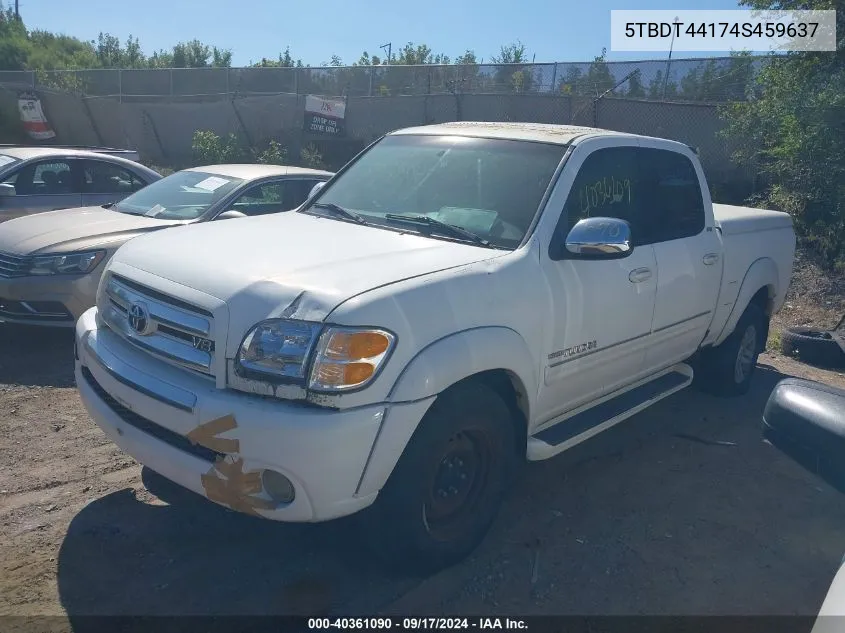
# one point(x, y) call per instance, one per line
point(344, 358)
point(67, 264)
point(278, 348)
point(348, 358)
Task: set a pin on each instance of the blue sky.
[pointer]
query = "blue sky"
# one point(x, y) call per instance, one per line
point(552, 30)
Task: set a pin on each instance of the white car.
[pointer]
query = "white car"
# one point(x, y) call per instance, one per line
point(50, 263)
point(459, 298)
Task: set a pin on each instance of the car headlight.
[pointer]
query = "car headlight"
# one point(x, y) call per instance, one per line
point(67, 264)
point(344, 358)
point(278, 348)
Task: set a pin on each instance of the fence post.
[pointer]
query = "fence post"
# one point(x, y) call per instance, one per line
point(554, 78)
point(33, 79)
point(119, 85)
point(296, 80)
point(372, 76)
point(428, 91)
point(171, 84)
point(227, 81)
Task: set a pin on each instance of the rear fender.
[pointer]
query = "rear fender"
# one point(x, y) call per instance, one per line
point(763, 273)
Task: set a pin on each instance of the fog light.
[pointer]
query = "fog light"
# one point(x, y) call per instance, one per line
point(277, 486)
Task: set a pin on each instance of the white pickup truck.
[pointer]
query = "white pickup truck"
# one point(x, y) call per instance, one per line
point(459, 298)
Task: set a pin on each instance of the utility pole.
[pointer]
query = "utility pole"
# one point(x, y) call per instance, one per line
point(669, 59)
point(389, 47)
point(17, 10)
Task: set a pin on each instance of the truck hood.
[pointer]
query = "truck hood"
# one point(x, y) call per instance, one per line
point(290, 264)
point(72, 229)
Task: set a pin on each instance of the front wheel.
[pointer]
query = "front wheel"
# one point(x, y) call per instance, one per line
point(449, 483)
point(727, 370)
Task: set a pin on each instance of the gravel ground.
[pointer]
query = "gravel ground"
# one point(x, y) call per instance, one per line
point(681, 510)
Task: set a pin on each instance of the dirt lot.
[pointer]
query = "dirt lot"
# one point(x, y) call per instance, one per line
point(681, 510)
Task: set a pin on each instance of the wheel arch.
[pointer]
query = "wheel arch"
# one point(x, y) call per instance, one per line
point(497, 357)
point(760, 287)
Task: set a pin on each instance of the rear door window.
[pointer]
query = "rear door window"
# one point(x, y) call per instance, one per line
point(673, 207)
point(100, 177)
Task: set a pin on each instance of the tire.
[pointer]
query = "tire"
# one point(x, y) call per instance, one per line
point(812, 346)
point(727, 370)
point(464, 448)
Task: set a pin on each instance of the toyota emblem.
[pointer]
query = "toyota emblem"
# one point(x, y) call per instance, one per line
point(139, 318)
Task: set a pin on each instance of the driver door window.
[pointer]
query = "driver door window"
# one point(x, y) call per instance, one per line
point(261, 199)
point(607, 185)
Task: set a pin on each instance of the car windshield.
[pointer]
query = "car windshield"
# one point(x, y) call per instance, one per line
point(489, 187)
point(185, 195)
point(7, 161)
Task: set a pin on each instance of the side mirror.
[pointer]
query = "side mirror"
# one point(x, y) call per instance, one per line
point(7, 190)
point(600, 238)
point(315, 189)
point(230, 214)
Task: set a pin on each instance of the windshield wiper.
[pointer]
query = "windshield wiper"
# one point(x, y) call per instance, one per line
point(339, 210)
point(450, 229)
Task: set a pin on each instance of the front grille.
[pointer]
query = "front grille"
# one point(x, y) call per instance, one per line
point(169, 328)
point(14, 265)
point(148, 426)
point(34, 310)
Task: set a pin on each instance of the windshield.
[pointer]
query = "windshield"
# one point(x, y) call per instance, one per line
point(7, 161)
point(185, 195)
point(490, 187)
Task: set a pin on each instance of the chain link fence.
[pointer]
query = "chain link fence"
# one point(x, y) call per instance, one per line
point(707, 79)
point(157, 111)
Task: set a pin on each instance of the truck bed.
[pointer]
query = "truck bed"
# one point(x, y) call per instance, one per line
point(750, 235)
point(734, 220)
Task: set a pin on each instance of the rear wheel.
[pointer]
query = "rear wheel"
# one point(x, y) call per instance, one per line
point(449, 483)
point(727, 370)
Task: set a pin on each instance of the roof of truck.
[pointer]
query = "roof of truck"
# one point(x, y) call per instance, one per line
point(538, 132)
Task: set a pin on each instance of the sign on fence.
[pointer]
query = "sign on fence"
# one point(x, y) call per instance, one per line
point(32, 116)
point(324, 116)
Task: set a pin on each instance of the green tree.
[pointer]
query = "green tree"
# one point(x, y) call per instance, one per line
point(572, 81)
point(15, 47)
point(599, 79)
point(661, 88)
point(636, 90)
point(512, 73)
point(793, 133)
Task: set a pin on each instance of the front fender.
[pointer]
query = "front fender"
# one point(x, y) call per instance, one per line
point(435, 368)
point(763, 273)
point(457, 356)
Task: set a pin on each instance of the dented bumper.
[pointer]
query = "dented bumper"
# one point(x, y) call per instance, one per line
point(217, 442)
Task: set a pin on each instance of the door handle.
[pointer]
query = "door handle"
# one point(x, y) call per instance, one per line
point(710, 258)
point(638, 275)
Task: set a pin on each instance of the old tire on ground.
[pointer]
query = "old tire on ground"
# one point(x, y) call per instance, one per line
point(812, 346)
point(727, 370)
point(446, 489)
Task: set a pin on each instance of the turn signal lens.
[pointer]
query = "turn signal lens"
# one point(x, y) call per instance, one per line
point(356, 345)
point(348, 358)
